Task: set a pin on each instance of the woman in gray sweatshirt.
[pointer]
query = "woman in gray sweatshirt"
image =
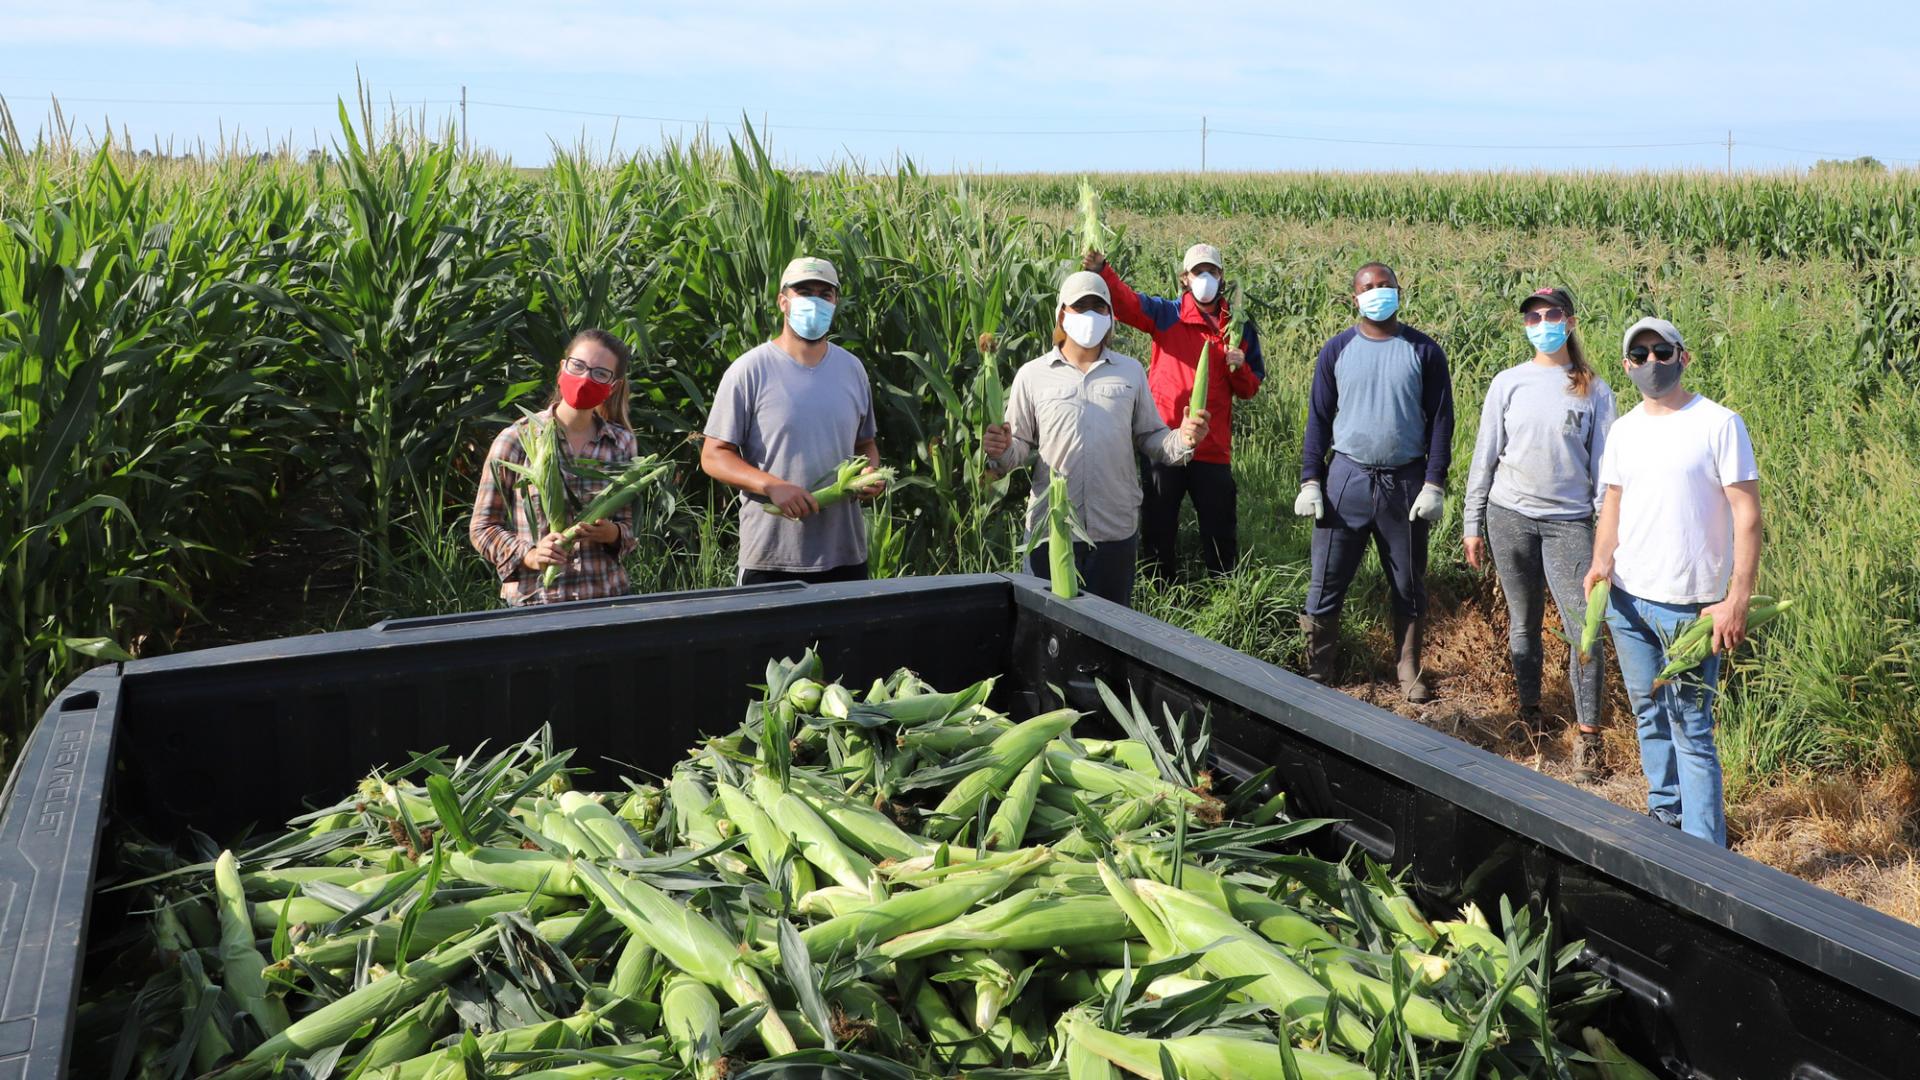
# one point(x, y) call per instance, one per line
point(1531, 501)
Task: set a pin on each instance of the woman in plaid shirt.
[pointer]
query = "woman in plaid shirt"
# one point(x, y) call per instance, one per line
point(509, 527)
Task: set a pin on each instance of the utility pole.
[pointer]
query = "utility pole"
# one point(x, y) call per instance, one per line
point(1203, 144)
point(1729, 152)
point(466, 144)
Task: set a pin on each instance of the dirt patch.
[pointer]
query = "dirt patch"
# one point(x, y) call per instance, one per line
point(1858, 836)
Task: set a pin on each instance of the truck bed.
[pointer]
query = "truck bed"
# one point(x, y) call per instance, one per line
point(1729, 968)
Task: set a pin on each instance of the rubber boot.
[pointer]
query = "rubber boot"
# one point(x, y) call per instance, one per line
point(1408, 634)
point(1323, 638)
point(1587, 764)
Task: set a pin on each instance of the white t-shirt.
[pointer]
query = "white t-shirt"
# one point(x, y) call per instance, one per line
point(1676, 528)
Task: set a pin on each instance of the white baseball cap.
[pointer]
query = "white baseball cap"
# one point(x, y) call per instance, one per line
point(809, 268)
point(1667, 331)
point(1201, 253)
point(1082, 283)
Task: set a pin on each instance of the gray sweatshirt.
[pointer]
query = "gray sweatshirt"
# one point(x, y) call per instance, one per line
point(1538, 450)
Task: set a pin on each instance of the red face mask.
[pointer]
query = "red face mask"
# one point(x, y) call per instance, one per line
point(582, 392)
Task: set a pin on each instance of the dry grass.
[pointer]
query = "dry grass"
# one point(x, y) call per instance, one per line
point(1858, 836)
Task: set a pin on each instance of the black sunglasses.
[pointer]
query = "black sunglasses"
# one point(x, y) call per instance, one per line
point(1662, 352)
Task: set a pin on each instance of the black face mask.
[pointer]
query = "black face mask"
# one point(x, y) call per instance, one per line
point(1655, 379)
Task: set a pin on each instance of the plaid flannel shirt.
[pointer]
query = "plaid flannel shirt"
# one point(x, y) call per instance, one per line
point(508, 521)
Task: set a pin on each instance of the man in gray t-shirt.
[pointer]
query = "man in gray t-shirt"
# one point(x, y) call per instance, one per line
point(787, 413)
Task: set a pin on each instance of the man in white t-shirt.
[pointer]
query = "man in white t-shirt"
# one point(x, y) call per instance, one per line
point(1679, 536)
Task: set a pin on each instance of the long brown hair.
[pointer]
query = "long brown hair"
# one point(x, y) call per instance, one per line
point(1579, 372)
point(614, 409)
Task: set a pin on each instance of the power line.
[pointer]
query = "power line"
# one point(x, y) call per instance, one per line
point(183, 101)
point(535, 92)
point(1207, 130)
point(1817, 153)
point(832, 129)
point(1461, 146)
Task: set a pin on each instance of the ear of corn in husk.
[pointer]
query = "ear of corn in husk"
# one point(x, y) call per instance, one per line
point(1597, 601)
point(1694, 642)
point(1198, 402)
point(852, 478)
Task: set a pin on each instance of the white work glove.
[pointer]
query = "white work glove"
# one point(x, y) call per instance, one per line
point(1430, 505)
point(1309, 503)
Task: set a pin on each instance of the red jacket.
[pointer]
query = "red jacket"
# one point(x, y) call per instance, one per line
point(1178, 329)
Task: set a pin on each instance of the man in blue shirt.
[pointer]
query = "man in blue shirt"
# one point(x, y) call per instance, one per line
point(1382, 404)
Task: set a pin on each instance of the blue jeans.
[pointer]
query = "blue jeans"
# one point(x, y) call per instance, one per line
point(1675, 723)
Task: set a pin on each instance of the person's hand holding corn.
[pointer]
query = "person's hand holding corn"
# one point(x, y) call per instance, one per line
point(1194, 428)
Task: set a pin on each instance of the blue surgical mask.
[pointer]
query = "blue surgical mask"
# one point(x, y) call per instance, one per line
point(1548, 337)
point(1379, 304)
point(810, 316)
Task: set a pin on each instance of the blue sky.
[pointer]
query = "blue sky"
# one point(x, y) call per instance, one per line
point(997, 86)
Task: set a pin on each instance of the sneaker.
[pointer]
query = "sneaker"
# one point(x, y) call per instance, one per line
point(1665, 817)
point(1587, 763)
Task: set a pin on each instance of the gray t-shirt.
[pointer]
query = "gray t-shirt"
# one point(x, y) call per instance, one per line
point(798, 423)
point(1090, 427)
point(1383, 416)
point(1539, 446)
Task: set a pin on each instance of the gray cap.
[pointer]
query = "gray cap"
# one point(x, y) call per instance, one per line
point(808, 268)
point(1201, 253)
point(1083, 283)
point(1667, 331)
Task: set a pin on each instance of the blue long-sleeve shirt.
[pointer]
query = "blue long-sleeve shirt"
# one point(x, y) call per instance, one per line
point(1381, 403)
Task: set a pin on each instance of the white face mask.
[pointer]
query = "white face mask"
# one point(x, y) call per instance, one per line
point(1086, 328)
point(1205, 287)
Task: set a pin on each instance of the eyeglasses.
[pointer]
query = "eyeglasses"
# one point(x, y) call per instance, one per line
point(576, 366)
point(1662, 352)
point(1551, 314)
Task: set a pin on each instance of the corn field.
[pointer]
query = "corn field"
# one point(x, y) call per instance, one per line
point(188, 346)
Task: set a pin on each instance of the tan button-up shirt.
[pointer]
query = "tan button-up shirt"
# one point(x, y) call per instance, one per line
point(1087, 427)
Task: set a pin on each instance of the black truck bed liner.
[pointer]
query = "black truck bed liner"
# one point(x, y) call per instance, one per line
point(1731, 969)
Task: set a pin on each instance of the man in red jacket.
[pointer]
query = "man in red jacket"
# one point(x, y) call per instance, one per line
point(1235, 366)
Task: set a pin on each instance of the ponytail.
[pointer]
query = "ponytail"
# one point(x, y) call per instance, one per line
point(614, 409)
point(1579, 372)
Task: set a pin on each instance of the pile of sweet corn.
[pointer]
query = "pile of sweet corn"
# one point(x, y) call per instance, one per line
point(892, 883)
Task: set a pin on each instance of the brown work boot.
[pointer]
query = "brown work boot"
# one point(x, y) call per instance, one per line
point(1408, 635)
point(1323, 638)
point(1587, 763)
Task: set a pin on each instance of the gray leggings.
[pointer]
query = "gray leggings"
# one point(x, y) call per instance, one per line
point(1533, 555)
